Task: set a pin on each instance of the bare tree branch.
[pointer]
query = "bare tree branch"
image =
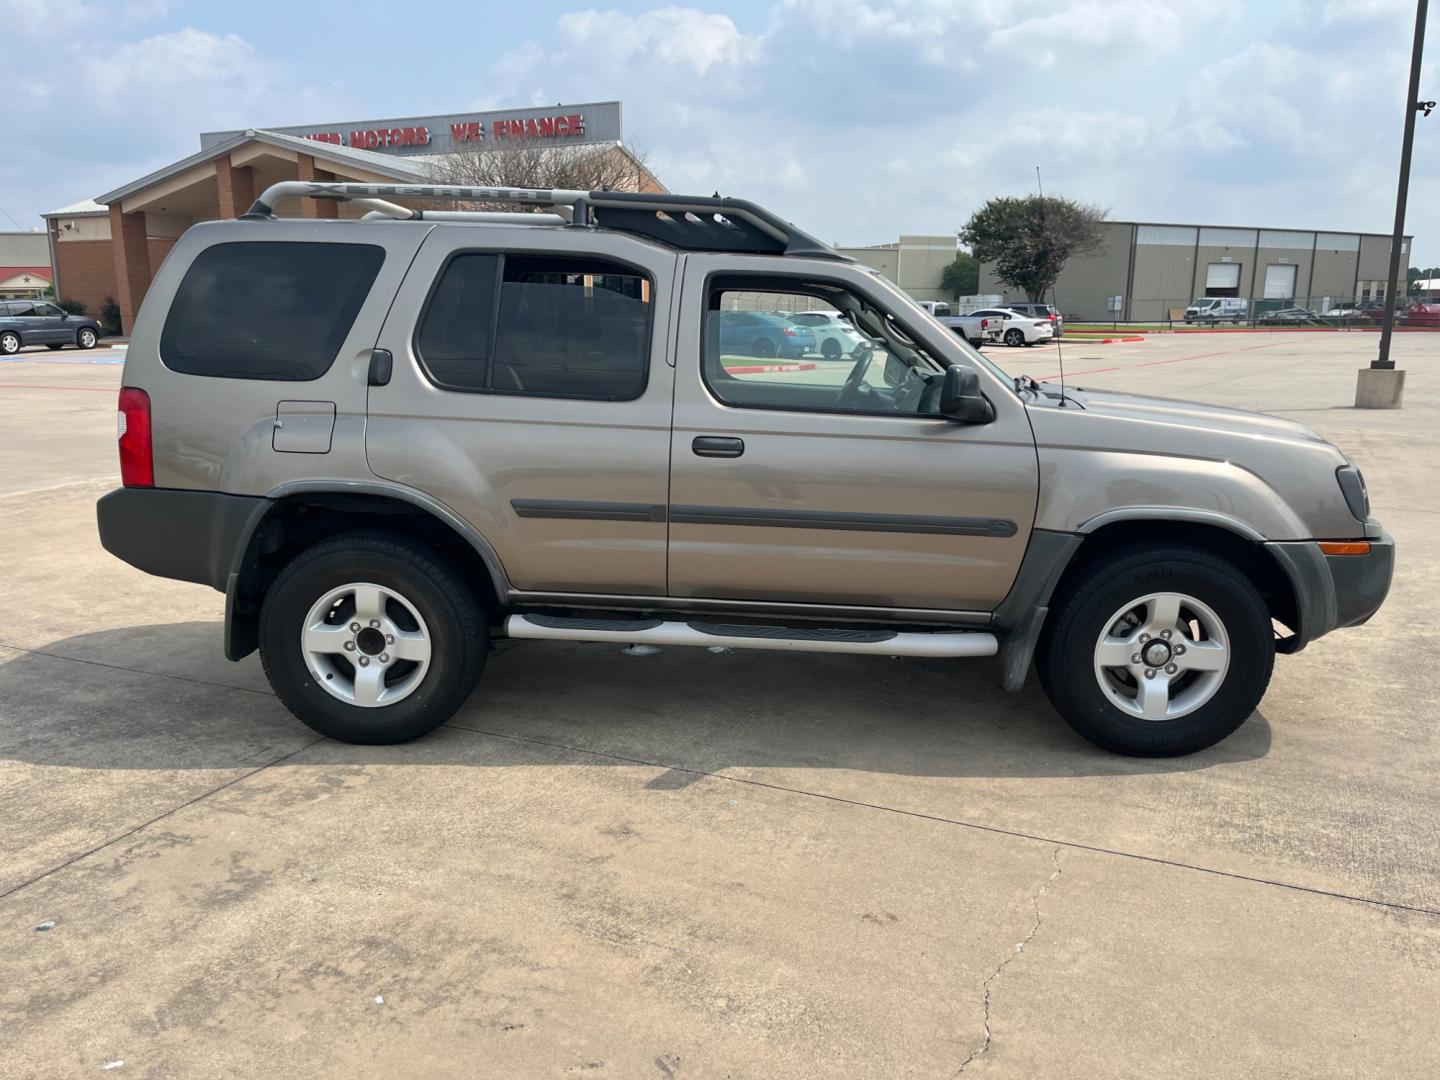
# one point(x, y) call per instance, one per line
point(546, 164)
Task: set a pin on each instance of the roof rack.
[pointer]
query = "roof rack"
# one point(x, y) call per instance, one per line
point(685, 222)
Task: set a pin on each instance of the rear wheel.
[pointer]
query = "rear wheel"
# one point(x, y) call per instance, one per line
point(52, 348)
point(367, 639)
point(1157, 650)
point(9, 343)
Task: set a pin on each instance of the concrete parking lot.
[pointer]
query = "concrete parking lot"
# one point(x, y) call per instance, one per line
point(694, 865)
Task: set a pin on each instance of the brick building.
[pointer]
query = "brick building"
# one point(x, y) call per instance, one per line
point(112, 245)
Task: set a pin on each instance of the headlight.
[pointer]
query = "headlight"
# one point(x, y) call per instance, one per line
point(1352, 486)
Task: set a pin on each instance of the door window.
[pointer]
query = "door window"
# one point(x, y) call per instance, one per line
point(22, 310)
point(764, 358)
point(48, 310)
point(555, 326)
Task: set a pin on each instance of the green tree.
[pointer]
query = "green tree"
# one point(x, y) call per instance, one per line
point(1030, 239)
point(961, 277)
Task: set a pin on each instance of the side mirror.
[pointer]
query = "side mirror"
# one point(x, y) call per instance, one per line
point(961, 399)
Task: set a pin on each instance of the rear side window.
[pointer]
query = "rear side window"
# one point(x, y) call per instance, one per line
point(267, 310)
point(552, 326)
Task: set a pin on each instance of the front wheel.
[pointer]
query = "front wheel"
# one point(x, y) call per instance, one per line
point(368, 639)
point(830, 349)
point(1157, 650)
point(1014, 338)
point(86, 338)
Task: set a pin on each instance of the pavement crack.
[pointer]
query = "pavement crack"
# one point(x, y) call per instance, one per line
point(1015, 951)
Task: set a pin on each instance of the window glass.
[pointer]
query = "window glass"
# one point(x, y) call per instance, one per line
point(561, 326)
point(22, 309)
point(454, 339)
point(47, 309)
point(269, 310)
point(763, 357)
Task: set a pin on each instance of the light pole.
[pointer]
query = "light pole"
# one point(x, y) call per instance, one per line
point(1380, 386)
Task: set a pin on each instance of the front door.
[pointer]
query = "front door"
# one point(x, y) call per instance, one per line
point(835, 480)
point(51, 324)
point(531, 394)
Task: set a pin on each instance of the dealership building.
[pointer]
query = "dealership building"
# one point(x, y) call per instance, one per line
point(111, 246)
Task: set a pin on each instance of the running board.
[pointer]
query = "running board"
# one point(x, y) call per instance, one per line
point(738, 636)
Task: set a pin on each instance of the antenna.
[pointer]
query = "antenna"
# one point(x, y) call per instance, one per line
point(1059, 348)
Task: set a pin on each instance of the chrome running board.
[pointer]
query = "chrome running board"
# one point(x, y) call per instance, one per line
point(739, 636)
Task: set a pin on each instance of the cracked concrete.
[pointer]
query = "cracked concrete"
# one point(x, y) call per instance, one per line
point(741, 865)
point(1016, 950)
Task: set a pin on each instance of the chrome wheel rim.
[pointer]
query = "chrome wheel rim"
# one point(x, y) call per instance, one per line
point(1162, 656)
point(366, 645)
point(9, 343)
point(87, 338)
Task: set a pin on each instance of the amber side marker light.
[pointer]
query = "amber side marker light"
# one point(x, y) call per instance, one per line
point(1345, 547)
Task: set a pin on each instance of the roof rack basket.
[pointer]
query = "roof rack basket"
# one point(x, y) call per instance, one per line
point(684, 222)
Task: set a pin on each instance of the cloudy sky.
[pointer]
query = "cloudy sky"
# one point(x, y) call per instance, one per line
point(859, 119)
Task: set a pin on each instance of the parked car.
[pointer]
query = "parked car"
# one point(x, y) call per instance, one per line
point(1423, 315)
point(38, 322)
point(1042, 311)
point(835, 338)
point(1017, 329)
point(938, 308)
point(976, 329)
point(1217, 309)
point(764, 334)
point(1293, 316)
point(390, 443)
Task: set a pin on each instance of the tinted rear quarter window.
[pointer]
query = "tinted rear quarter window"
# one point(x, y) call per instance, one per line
point(267, 310)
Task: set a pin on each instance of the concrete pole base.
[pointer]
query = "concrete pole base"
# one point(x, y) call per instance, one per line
point(1380, 388)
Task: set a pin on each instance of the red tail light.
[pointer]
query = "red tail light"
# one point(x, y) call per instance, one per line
point(790, 331)
point(132, 422)
point(984, 324)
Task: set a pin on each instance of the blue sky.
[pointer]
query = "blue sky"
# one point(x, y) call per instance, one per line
point(860, 119)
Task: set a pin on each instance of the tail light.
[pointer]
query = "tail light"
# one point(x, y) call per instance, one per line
point(132, 425)
point(790, 331)
point(984, 324)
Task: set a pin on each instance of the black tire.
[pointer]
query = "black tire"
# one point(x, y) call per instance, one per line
point(86, 338)
point(763, 348)
point(1066, 657)
point(52, 348)
point(1014, 337)
point(9, 343)
point(456, 621)
point(830, 349)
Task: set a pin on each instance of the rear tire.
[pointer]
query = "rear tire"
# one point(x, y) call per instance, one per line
point(52, 348)
point(423, 601)
point(1117, 604)
point(9, 343)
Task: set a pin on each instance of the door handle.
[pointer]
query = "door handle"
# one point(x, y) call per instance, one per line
point(382, 362)
point(717, 446)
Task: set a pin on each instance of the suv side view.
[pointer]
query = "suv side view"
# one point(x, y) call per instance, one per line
point(38, 322)
point(390, 441)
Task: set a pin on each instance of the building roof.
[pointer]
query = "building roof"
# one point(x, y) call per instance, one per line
point(392, 167)
point(79, 209)
point(8, 272)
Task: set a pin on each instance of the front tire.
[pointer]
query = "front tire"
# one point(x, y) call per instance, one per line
point(86, 338)
point(1157, 650)
point(54, 348)
point(830, 349)
point(1014, 338)
point(372, 640)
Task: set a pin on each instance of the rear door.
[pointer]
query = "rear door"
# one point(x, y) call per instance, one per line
point(531, 393)
point(836, 481)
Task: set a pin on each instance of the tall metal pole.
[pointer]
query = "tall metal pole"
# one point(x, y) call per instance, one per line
point(1412, 106)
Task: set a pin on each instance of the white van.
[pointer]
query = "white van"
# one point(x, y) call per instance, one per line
point(1217, 309)
point(938, 308)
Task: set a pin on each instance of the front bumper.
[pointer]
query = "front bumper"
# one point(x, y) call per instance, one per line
point(1334, 591)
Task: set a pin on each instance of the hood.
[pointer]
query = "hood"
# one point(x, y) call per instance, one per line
point(1103, 405)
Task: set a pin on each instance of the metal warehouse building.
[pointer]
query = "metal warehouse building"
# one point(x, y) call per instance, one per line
point(1156, 269)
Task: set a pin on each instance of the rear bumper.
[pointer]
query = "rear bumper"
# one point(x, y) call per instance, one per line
point(1334, 591)
point(186, 535)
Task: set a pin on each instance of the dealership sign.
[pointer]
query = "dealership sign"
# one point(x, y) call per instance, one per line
point(595, 122)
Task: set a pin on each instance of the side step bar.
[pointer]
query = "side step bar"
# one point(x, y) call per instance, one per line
point(737, 636)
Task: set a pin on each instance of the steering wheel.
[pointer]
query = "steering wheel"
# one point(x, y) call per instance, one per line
point(855, 386)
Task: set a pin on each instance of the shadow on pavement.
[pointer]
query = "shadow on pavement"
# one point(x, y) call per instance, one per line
point(684, 709)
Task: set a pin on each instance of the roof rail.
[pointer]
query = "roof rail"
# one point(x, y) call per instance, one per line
point(686, 222)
